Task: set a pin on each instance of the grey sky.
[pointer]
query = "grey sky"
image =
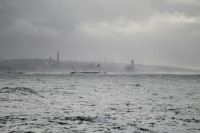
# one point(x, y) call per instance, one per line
point(165, 32)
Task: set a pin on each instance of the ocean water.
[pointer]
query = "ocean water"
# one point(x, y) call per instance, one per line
point(56, 103)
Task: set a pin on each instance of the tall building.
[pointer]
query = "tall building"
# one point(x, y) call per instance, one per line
point(58, 57)
point(50, 60)
point(132, 64)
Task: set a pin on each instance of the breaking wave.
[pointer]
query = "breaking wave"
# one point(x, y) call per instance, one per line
point(20, 90)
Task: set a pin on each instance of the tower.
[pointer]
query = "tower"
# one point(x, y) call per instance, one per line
point(132, 64)
point(50, 60)
point(58, 57)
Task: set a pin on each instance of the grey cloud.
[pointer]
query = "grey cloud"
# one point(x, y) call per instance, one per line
point(153, 32)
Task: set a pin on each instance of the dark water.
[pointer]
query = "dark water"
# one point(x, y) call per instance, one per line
point(99, 103)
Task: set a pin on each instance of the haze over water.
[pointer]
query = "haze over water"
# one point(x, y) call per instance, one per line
point(158, 32)
point(104, 66)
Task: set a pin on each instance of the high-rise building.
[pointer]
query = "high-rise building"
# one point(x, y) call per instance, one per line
point(58, 57)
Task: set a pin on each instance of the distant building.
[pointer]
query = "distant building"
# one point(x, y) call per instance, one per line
point(132, 64)
point(58, 57)
point(56, 61)
point(50, 61)
point(131, 67)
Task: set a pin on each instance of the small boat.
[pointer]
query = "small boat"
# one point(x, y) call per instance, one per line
point(88, 72)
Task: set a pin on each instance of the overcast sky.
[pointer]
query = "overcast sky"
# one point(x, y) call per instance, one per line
point(162, 32)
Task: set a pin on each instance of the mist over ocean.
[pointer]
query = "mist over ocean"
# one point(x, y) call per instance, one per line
point(120, 103)
point(99, 66)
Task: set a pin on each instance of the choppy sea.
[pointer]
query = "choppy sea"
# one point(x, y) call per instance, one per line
point(104, 103)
